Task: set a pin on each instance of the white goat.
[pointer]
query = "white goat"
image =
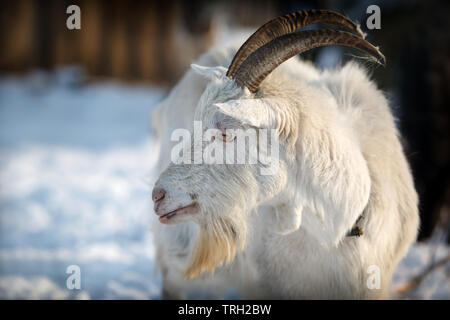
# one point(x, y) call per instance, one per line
point(296, 233)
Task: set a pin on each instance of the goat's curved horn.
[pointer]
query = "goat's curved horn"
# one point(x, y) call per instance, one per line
point(287, 24)
point(265, 59)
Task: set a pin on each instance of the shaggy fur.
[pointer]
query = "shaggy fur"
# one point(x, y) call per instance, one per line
point(284, 235)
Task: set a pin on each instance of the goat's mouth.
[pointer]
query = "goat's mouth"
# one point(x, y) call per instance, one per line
point(166, 217)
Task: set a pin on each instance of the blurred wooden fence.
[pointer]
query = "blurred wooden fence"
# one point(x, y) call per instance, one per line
point(121, 39)
point(131, 40)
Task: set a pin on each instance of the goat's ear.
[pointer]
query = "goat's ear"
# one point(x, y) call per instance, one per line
point(210, 73)
point(255, 112)
point(288, 218)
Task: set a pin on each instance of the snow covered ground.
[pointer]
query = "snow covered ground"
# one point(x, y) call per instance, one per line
point(75, 177)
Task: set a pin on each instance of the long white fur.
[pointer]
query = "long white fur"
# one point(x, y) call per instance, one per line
point(340, 157)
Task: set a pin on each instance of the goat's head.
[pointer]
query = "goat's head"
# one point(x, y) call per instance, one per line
point(219, 195)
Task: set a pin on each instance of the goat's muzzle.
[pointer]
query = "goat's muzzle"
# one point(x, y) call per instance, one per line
point(166, 215)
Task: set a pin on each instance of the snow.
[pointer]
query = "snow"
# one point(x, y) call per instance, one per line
point(76, 169)
point(75, 176)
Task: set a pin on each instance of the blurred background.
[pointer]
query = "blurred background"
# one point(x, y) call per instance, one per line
point(77, 150)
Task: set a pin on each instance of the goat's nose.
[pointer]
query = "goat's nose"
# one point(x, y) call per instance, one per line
point(158, 194)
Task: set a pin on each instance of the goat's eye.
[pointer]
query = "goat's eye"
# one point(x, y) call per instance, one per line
point(226, 136)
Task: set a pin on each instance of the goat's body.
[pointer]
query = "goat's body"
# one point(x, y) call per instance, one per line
point(297, 265)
